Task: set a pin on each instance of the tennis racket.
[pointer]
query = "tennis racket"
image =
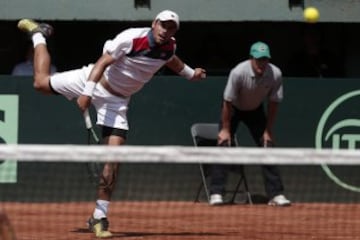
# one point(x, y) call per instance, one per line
point(91, 134)
point(94, 168)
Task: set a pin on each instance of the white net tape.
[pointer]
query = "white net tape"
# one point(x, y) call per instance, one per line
point(178, 154)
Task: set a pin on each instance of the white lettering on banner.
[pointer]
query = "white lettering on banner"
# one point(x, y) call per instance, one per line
point(341, 121)
point(9, 105)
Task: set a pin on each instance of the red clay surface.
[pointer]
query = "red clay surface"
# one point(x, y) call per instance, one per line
point(187, 220)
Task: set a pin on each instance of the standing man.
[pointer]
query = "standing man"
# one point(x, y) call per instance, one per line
point(128, 62)
point(249, 85)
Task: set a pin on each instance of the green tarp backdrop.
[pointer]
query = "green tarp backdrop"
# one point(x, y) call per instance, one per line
point(314, 113)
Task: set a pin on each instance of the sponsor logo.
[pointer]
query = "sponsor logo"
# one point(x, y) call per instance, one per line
point(339, 128)
point(9, 105)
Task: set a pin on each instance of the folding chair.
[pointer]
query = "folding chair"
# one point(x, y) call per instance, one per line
point(206, 134)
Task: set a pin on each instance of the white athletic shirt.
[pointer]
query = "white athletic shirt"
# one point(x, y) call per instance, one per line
point(247, 92)
point(138, 58)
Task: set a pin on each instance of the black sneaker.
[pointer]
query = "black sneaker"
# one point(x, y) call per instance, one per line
point(30, 26)
point(99, 227)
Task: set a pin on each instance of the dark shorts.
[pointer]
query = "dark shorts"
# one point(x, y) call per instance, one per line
point(109, 131)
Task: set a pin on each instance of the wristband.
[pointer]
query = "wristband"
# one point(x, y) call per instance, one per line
point(89, 88)
point(187, 72)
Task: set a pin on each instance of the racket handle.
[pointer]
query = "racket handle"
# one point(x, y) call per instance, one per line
point(87, 119)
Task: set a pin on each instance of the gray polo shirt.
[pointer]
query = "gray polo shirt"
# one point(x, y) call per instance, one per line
point(247, 92)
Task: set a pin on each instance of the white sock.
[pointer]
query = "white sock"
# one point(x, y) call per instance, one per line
point(101, 209)
point(38, 38)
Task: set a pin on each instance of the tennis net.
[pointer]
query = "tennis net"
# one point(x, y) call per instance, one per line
point(52, 195)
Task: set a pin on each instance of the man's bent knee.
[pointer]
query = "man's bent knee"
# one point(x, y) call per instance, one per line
point(41, 84)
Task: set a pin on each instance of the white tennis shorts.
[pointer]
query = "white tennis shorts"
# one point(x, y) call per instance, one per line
point(111, 109)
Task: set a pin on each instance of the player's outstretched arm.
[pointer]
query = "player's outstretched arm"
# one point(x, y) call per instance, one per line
point(178, 66)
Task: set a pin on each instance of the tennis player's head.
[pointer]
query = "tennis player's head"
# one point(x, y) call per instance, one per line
point(165, 25)
point(260, 57)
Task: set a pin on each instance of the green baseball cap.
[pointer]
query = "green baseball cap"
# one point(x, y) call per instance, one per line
point(260, 50)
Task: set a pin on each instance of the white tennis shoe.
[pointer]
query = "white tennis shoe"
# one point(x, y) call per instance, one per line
point(216, 199)
point(280, 201)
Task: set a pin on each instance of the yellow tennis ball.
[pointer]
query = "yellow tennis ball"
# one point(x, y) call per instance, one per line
point(311, 15)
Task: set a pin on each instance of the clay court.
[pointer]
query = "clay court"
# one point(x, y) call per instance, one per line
point(187, 220)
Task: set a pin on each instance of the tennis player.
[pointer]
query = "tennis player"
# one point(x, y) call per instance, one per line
point(128, 62)
point(250, 84)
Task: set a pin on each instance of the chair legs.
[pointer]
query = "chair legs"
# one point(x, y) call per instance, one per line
point(247, 192)
point(202, 185)
point(241, 180)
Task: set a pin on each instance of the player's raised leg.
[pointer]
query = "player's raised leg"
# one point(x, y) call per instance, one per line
point(38, 33)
